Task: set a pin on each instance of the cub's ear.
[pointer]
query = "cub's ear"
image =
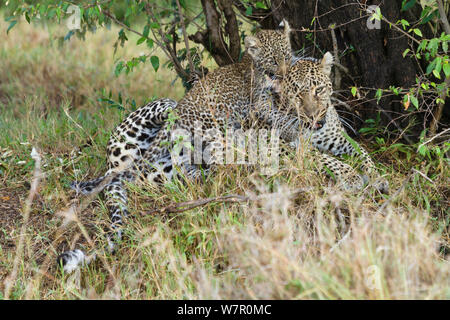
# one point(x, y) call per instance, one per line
point(282, 70)
point(252, 45)
point(250, 42)
point(327, 63)
point(285, 25)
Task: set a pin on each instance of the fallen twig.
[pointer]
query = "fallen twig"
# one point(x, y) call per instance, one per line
point(189, 205)
point(395, 195)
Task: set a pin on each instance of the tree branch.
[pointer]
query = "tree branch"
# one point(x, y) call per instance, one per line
point(444, 19)
point(440, 107)
point(263, 16)
point(231, 28)
point(212, 38)
point(186, 39)
point(166, 46)
point(189, 205)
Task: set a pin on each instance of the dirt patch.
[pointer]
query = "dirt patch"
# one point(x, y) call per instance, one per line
point(40, 230)
point(10, 214)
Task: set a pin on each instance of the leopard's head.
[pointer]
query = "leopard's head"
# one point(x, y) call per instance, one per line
point(305, 88)
point(270, 49)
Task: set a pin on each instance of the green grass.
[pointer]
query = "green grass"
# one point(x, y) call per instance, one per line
point(279, 247)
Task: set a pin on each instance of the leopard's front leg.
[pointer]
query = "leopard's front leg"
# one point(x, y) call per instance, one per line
point(346, 176)
point(332, 138)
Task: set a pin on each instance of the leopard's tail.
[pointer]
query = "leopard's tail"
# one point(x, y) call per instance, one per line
point(87, 187)
point(71, 260)
point(117, 203)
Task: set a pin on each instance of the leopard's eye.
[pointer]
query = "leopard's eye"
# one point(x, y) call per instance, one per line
point(320, 89)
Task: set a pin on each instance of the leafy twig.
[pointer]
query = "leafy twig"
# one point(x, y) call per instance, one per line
point(185, 36)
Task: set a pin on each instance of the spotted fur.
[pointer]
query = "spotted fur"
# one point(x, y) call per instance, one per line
point(239, 95)
point(222, 99)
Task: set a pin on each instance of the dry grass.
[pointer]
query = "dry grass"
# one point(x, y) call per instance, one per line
point(321, 244)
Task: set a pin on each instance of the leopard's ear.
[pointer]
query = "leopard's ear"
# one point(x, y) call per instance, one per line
point(282, 70)
point(326, 63)
point(285, 25)
point(252, 45)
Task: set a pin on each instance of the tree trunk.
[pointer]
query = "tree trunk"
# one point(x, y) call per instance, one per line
point(373, 56)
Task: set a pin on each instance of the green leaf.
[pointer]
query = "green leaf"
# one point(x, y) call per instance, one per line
point(248, 11)
point(379, 94)
point(436, 74)
point(433, 46)
point(155, 62)
point(418, 32)
point(422, 45)
point(146, 31)
point(11, 25)
point(119, 68)
point(354, 90)
point(431, 66)
point(428, 14)
point(260, 5)
point(446, 68)
point(408, 5)
point(51, 13)
point(378, 15)
point(150, 43)
point(438, 67)
point(155, 25)
point(414, 101)
point(404, 23)
point(423, 150)
point(141, 40)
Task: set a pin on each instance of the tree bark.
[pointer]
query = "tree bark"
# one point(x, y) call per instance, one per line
point(213, 37)
point(373, 56)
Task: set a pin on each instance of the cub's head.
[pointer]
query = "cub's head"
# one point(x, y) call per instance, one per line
point(305, 87)
point(270, 49)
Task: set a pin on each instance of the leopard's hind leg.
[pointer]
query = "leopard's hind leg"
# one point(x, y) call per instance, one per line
point(133, 137)
point(127, 145)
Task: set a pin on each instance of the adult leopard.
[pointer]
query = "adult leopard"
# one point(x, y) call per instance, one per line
point(222, 99)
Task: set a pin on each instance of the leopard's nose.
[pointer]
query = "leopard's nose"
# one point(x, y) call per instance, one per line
point(320, 124)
